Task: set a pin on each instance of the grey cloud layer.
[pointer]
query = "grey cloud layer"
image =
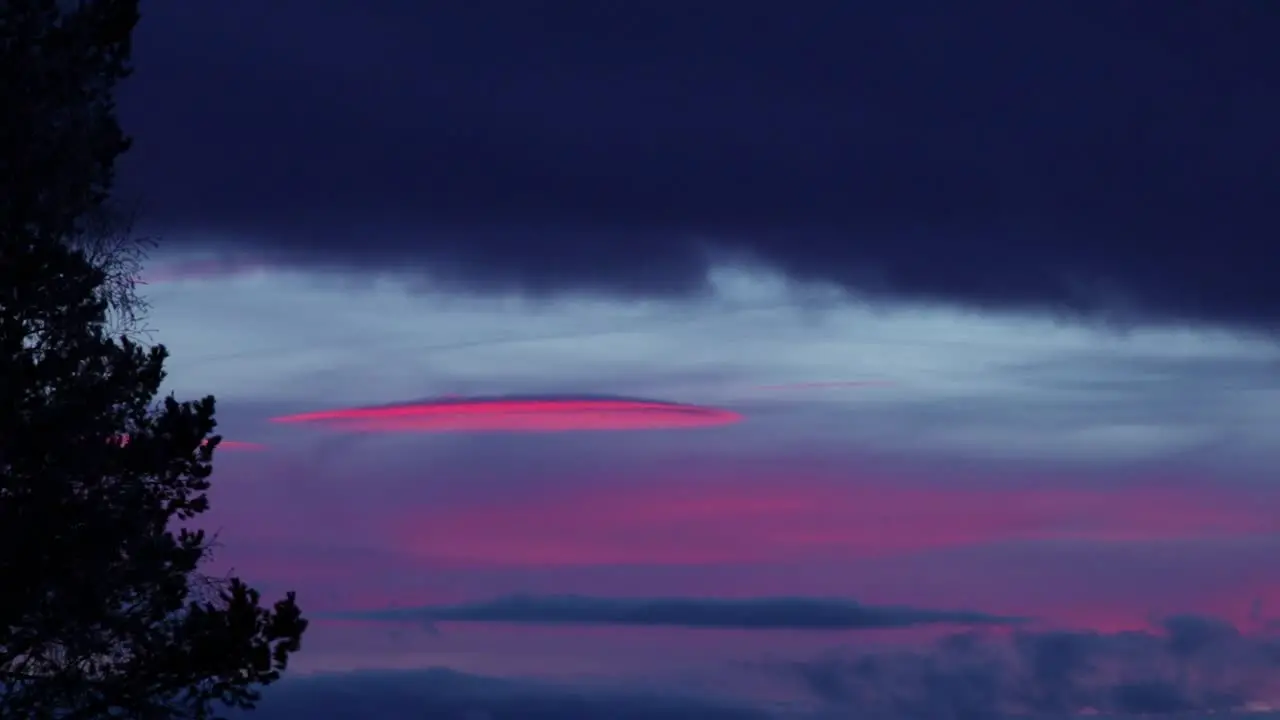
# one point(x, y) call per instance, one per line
point(1001, 387)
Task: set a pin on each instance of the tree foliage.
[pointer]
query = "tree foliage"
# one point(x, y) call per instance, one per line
point(104, 612)
point(108, 242)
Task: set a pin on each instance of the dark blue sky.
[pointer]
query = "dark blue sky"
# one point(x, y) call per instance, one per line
point(1117, 156)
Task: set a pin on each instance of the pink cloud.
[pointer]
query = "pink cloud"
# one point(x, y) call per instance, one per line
point(1093, 556)
point(517, 415)
point(776, 519)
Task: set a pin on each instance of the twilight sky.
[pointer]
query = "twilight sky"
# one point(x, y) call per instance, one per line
point(732, 360)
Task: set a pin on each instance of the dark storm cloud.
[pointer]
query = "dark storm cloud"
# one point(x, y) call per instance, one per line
point(1053, 154)
point(441, 693)
point(745, 614)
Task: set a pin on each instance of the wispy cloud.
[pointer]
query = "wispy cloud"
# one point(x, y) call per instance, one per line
point(731, 513)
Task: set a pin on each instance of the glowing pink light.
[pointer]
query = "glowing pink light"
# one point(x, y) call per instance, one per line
point(518, 415)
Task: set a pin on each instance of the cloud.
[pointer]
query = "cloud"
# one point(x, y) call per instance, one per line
point(517, 414)
point(1187, 664)
point(443, 693)
point(971, 675)
point(731, 512)
point(1000, 387)
point(780, 613)
point(971, 155)
point(169, 269)
point(825, 385)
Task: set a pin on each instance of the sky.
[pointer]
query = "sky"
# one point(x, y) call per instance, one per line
point(666, 360)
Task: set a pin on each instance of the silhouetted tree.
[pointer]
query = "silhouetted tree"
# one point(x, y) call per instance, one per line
point(103, 610)
point(60, 137)
point(109, 243)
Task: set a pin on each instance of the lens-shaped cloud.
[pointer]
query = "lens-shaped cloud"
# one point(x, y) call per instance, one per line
point(518, 414)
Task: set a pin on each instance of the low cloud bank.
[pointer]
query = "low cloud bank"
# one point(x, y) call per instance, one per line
point(782, 613)
point(446, 694)
point(1189, 664)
